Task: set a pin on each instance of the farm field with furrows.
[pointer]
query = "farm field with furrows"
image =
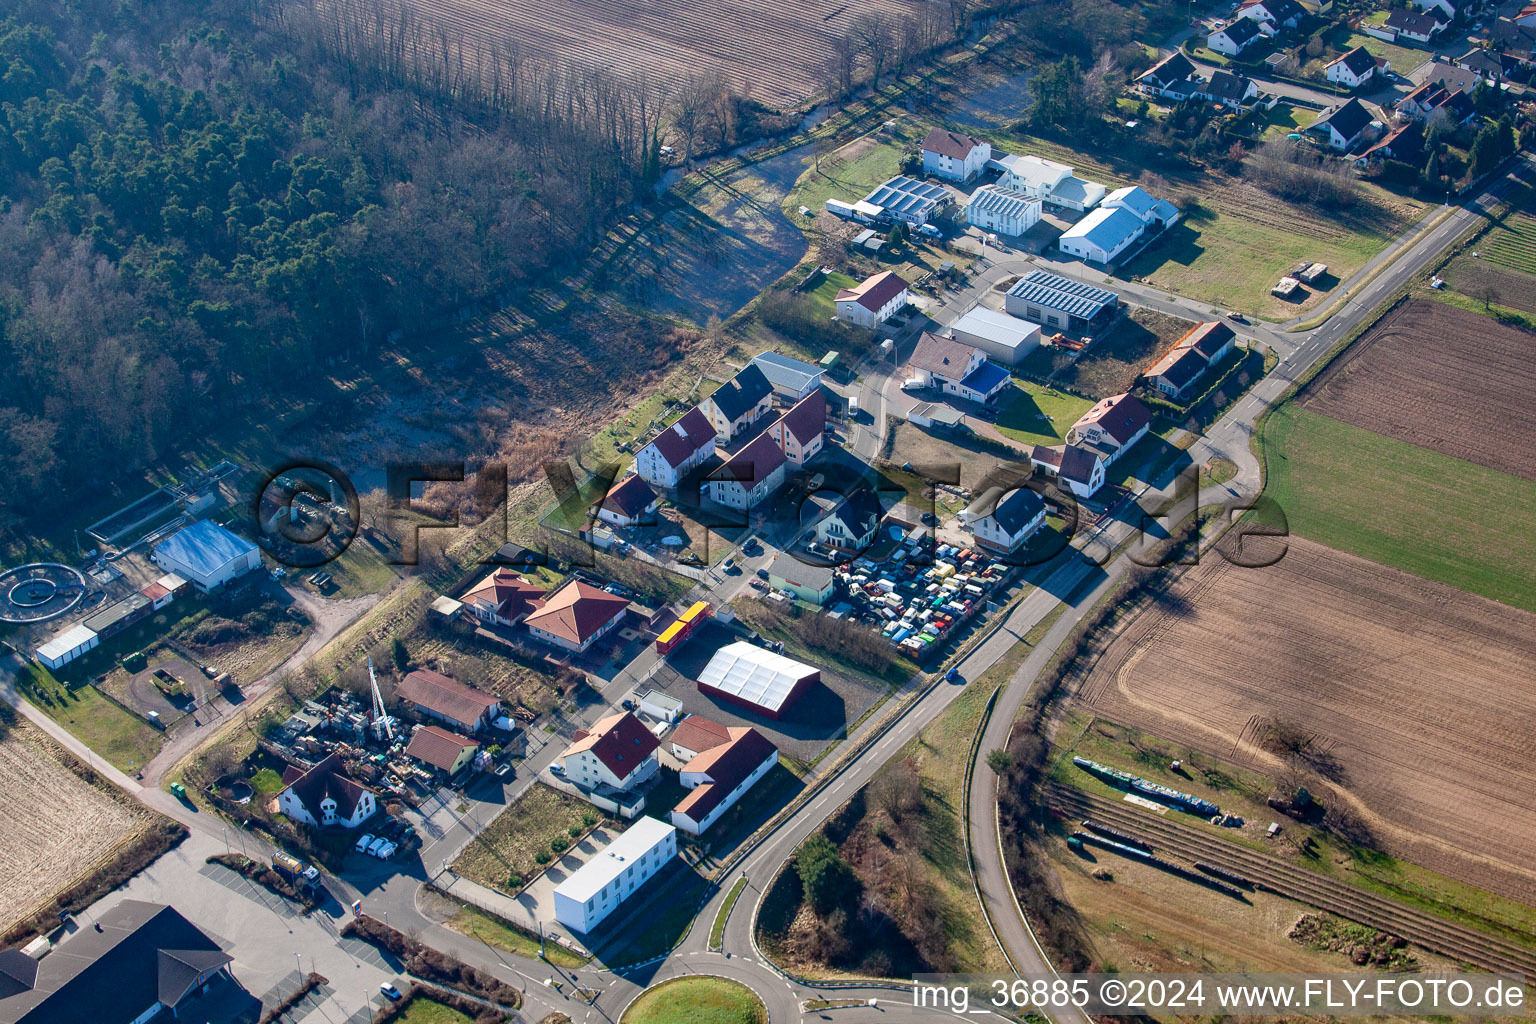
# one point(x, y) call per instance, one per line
point(1422, 375)
point(1420, 701)
point(777, 49)
point(53, 826)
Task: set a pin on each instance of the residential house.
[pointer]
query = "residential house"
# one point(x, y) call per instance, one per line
point(1001, 336)
point(502, 598)
point(1525, 16)
point(1172, 78)
point(1354, 69)
point(749, 476)
point(908, 200)
point(696, 734)
point(874, 300)
point(1077, 469)
point(1411, 25)
point(1272, 15)
point(994, 208)
point(955, 368)
point(1062, 303)
point(1048, 181)
point(791, 379)
point(1445, 10)
point(436, 696)
point(325, 795)
point(801, 432)
point(614, 874)
point(136, 962)
point(1176, 371)
point(812, 584)
point(618, 752)
point(630, 501)
point(1230, 90)
point(1435, 103)
point(1113, 425)
point(951, 155)
point(1404, 143)
point(1102, 235)
point(576, 616)
point(677, 450)
point(717, 778)
point(1343, 126)
point(439, 750)
point(738, 403)
point(1235, 37)
point(1488, 64)
point(1004, 521)
point(853, 521)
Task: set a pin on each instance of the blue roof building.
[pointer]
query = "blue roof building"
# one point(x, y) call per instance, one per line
point(207, 555)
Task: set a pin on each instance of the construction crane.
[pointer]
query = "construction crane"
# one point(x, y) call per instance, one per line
point(380, 719)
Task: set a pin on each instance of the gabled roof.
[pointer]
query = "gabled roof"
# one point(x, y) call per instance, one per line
point(437, 746)
point(1207, 338)
point(1119, 416)
point(1075, 298)
point(1178, 367)
point(329, 778)
point(945, 357)
point(1241, 31)
point(1412, 22)
point(447, 697)
point(630, 497)
point(1358, 60)
point(727, 766)
point(576, 611)
point(679, 442)
point(1017, 510)
point(1225, 87)
point(859, 510)
point(1349, 120)
point(875, 291)
point(755, 675)
point(1035, 172)
point(801, 574)
point(1405, 143)
point(753, 463)
point(1003, 202)
point(1134, 198)
point(205, 547)
point(1174, 68)
point(619, 741)
point(807, 419)
point(951, 144)
point(785, 372)
point(509, 593)
point(1280, 10)
point(698, 734)
point(742, 393)
point(1071, 462)
point(1108, 227)
point(137, 954)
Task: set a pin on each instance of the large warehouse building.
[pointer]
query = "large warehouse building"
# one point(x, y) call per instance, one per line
point(207, 555)
point(757, 679)
point(596, 889)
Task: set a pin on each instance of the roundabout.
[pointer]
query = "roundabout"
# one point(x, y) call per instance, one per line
point(696, 999)
point(38, 592)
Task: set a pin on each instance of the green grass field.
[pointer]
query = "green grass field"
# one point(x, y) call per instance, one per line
point(717, 931)
point(697, 1000)
point(422, 1010)
point(1431, 515)
point(124, 740)
point(1512, 244)
point(824, 295)
point(1038, 415)
point(1285, 119)
point(493, 931)
point(850, 172)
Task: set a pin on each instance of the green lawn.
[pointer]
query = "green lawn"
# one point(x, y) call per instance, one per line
point(493, 931)
point(850, 172)
point(824, 295)
point(267, 782)
point(1402, 58)
point(1285, 119)
point(1039, 415)
point(697, 1000)
point(717, 932)
point(128, 742)
point(1431, 515)
point(668, 922)
point(422, 1010)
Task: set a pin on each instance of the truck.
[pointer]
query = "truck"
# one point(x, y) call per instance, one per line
point(295, 870)
point(674, 635)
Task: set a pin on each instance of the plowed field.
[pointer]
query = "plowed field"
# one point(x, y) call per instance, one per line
point(775, 48)
point(1441, 378)
point(53, 826)
point(1420, 698)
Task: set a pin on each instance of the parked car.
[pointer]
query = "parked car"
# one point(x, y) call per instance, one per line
point(762, 574)
point(929, 519)
point(378, 844)
point(390, 992)
point(628, 703)
point(386, 851)
point(758, 585)
point(363, 843)
point(557, 769)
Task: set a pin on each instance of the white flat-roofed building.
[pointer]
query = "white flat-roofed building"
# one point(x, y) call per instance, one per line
point(993, 208)
point(67, 646)
point(756, 678)
point(1002, 337)
point(598, 887)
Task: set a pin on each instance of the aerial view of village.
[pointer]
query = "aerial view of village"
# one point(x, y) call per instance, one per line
point(665, 512)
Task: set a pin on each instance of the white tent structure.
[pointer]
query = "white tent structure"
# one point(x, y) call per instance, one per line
point(756, 678)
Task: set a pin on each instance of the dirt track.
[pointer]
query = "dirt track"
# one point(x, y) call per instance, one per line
point(1424, 696)
point(53, 826)
point(1442, 378)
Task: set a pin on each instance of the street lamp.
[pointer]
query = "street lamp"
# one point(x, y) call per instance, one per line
point(298, 963)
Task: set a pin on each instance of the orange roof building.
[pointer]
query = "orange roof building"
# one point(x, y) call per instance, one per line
point(576, 615)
